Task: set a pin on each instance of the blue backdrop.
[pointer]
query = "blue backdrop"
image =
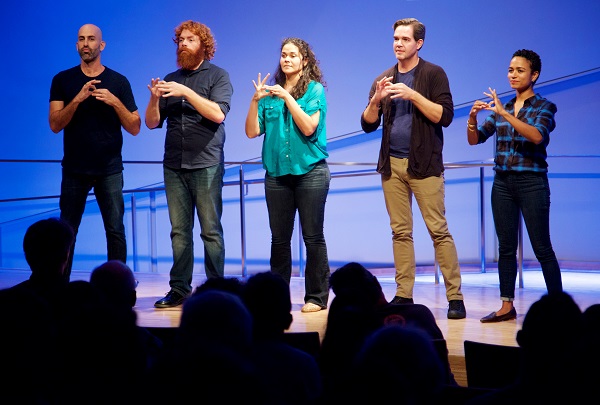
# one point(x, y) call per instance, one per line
point(471, 40)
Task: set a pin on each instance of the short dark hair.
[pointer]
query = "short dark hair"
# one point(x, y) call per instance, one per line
point(418, 27)
point(48, 242)
point(534, 60)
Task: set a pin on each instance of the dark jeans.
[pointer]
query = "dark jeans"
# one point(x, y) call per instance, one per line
point(527, 193)
point(306, 193)
point(74, 190)
point(200, 189)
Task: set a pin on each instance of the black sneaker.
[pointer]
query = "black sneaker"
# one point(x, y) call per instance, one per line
point(172, 299)
point(456, 309)
point(401, 300)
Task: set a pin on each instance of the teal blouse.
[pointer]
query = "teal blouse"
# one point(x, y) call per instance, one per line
point(286, 150)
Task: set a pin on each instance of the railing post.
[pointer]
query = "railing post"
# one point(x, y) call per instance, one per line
point(134, 233)
point(482, 218)
point(153, 254)
point(520, 251)
point(243, 221)
point(300, 250)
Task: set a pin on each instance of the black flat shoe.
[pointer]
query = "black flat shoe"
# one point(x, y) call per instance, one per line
point(510, 315)
point(172, 299)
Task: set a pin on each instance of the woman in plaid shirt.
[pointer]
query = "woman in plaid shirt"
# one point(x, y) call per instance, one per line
point(522, 127)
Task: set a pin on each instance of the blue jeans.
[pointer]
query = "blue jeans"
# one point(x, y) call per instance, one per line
point(306, 193)
point(201, 189)
point(74, 190)
point(527, 193)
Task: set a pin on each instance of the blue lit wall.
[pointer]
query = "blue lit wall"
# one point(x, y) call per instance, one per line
point(472, 40)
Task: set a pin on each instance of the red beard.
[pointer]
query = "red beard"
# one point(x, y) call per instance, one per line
point(188, 60)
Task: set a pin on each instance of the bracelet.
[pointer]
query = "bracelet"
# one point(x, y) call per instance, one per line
point(471, 126)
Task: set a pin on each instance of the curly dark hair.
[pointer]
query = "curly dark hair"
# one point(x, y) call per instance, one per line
point(206, 37)
point(310, 72)
point(534, 60)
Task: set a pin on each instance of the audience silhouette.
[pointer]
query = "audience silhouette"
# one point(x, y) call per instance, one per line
point(47, 245)
point(291, 375)
point(357, 310)
point(117, 284)
point(397, 364)
point(591, 346)
point(211, 352)
point(229, 284)
point(102, 356)
point(29, 337)
point(552, 369)
point(27, 349)
point(79, 342)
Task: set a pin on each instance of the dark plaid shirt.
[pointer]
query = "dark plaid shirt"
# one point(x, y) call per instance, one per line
point(513, 151)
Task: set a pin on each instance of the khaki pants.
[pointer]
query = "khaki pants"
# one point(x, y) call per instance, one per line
point(398, 190)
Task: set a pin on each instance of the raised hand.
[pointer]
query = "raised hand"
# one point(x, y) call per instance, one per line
point(260, 87)
point(171, 89)
point(105, 96)
point(399, 90)
point(277, 91)
point(495, 105)
point(153, 87)
point(87, 90)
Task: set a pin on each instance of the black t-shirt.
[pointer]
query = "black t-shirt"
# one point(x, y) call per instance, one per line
point(93, 139)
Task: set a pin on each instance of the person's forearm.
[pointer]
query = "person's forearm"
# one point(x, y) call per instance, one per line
point(432, 111)
point(152, 116)
point(207, 108)
point(252, 126)
point(59, 119)
point(130, 121)
point(371, 113)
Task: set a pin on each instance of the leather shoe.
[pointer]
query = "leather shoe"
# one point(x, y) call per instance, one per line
point(456, 309)
point(172, 299)
point(401, 300)
point(510, 315)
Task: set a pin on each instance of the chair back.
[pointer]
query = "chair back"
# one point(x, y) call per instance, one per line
point(490, 365)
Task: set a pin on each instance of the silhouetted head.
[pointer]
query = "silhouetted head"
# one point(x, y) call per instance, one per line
point(213, 318)
point(354, 284)
point(47, 245)
point(267, 297)
point(228, 284)
point(116, 281)
point(400, 357)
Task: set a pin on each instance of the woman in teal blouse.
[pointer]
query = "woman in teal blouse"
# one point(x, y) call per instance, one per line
point(291, 114)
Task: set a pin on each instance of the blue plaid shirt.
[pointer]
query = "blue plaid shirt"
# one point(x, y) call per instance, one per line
point(513, 151)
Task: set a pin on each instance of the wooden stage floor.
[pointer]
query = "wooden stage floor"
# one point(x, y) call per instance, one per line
point(480, 291)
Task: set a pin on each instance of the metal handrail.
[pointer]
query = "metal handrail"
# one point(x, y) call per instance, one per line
point(243, 183)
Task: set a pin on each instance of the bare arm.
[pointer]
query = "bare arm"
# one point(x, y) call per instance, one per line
point(431, 110)
point(371, 113)
point(252, 126)
point(130, 121)
point(152, 116)
point(60, 115)
point(472, 132)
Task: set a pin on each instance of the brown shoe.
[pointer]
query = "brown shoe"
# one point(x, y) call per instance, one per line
point(311, 307)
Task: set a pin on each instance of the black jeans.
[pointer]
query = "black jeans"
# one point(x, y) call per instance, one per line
point(306, 193)
point(108, 190)
point(527, 193)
